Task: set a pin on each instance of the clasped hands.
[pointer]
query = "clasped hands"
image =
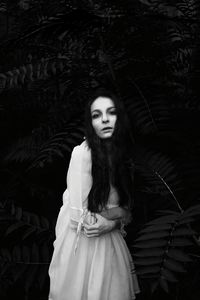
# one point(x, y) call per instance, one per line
point(109, 219)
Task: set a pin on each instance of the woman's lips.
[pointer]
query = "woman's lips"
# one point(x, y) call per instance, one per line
point(106, 128)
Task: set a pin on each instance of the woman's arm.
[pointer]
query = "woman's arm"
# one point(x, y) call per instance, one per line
point(117, 213)
point(101, 226)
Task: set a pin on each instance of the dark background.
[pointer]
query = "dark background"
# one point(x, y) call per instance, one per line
point(52, 54)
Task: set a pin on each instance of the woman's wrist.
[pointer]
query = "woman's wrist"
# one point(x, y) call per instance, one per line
point(118, 224)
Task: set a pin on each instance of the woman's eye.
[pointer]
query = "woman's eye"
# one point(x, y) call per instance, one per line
point(94, 116)
point(113, 112)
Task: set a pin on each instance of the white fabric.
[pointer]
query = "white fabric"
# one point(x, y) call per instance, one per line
point(98, 268)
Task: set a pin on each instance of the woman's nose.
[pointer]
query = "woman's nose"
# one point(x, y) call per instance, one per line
point(104, 118)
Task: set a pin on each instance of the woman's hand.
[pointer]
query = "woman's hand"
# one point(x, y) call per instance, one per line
point(101, 226)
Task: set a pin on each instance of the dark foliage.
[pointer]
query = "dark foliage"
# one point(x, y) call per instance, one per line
point(52, 55)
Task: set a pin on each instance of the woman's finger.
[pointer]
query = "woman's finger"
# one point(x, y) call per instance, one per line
point(91, 234)
point(91, 227)
point(91, 231)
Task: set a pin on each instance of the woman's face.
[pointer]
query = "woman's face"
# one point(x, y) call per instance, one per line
point(103, 113)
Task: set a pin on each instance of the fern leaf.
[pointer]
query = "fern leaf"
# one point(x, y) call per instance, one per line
point(14, 227)
point(154, 228)
point(151, 243)
point(186, 220)
point(169, 219)
point(152, 235)
point(19, 271)
point(178, 255)
point(148, 261)
point(154, 286)
point(173, 265)
point(28, 232)
point(35, 220)
point(18, 213)
point(164, 284)
point(148, 270)
point(181, 242)
point(166, 273)
point(150, 252)
point(44, 222)
point(192, 211)
point(183, 231)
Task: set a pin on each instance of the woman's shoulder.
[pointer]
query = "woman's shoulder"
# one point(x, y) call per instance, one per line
point(81, 150)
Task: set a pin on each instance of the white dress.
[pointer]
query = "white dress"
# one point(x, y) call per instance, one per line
point(82, 268)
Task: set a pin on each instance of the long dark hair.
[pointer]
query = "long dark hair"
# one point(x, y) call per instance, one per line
point(114, 166)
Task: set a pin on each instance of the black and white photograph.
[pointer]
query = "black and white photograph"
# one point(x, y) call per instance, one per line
point(100, 150)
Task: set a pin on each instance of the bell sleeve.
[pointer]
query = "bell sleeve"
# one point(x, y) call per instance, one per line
point(79, 182)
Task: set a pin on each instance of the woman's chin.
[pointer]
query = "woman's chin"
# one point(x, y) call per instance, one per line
point(106, 135)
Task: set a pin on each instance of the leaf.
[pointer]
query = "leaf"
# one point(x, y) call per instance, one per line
point(186, 221)
point(180, 242)
point(178, 255)
point(19, 271)
point(195, 208)
point(150, 243)
point(149, 276)
point(168, 211)
point(183, 231)
point(155, 228)
point(34, 219)
point(163, 283)
point(168, 275)
point(14, 227)
point(192, 211)
point(28, 232)
point(154, 286)
point(148, 261)
point(44, 222)
point(173, 265)
point(146, 270)
point(149, 252)
point(18, 213)
point(154, 235)
point(170, 219)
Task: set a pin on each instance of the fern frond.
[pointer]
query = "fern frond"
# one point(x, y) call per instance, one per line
point(161, 248)
point(159, 173)
point(39, 150)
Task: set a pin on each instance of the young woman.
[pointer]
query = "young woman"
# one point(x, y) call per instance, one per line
point(91, 260)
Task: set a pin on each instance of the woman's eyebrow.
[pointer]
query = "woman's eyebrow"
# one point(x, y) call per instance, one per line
point(96, 110)
point(99, 110)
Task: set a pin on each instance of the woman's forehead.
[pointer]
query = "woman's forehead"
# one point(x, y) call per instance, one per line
point(102, 103)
